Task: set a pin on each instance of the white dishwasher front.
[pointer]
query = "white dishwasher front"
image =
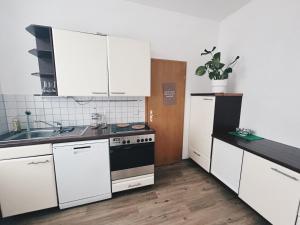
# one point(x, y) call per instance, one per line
point(82, 172)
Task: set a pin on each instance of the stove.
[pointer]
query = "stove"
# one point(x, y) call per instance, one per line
point(131, 157)
point(116, 129)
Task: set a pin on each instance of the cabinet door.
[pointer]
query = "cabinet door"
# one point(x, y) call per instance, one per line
point(27, 184)
point(201, 127)
point(227, 163)
point(81, 63)
point(270, 189)
point(129, 67)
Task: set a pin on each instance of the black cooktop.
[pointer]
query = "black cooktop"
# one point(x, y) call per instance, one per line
point(116, 129)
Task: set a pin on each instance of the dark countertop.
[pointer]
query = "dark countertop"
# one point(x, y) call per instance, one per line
point(90, 134)
point(216, 94)
point(281, 154)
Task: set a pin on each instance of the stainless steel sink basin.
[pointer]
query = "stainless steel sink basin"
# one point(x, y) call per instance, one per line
point(46, 133)
point(33, 134)
point(40, 133)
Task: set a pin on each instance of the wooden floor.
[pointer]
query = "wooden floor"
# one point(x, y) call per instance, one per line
point(183, 194)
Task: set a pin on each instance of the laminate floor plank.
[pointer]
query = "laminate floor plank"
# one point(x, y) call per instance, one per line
point(183, 194)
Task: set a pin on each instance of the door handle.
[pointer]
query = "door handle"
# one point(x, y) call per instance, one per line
point(39, 162)
point(284, 174)
point(151, 116)
point(118, 93)
point(99, 93)
point(134, 185)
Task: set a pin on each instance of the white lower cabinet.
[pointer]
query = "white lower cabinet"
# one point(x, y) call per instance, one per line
point(272, 190)
point(226, 163)
point(27, 184)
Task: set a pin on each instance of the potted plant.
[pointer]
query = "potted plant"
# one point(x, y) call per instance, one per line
point(216, 70)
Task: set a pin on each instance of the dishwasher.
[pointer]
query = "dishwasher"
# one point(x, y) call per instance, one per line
point(82, 172)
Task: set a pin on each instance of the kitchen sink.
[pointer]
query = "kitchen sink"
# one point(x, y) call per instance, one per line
point(33, 134)
point(46, 133)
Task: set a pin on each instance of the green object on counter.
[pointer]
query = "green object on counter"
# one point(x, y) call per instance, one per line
point(249, 137)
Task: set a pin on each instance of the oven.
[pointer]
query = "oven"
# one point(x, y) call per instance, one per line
point(132, 161)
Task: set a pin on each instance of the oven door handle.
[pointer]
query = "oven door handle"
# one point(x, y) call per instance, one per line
point(120, 149)
point(132, 146)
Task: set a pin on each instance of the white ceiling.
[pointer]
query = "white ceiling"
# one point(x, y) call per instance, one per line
point(209, 9)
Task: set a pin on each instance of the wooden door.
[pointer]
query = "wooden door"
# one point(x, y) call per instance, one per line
point(165, 109)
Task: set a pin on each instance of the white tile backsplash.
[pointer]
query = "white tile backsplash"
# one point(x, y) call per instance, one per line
point(3, 119)
point(69, 111)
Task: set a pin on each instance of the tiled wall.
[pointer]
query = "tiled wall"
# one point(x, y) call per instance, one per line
point(3, 121)
point(71, 112)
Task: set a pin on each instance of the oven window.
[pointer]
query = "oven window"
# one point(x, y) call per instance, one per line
point(130, 156)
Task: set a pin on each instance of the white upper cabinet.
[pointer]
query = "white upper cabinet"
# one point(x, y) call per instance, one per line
point(272, 190)
point(81, 63)
point(129, 65)
point(201, 128)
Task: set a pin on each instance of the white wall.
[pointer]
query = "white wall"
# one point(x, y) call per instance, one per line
point(172, 35)
point(266, 34)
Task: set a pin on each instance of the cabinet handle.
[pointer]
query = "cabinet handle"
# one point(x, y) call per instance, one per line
point(82, 147)
point(197, 154)
point(284, 174)
point(99, 93)
point(207, 99)
point(134, 185)
point(40, 162)
point(119, 93)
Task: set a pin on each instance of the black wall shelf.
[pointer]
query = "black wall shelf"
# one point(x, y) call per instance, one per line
point(45, 54)
point(39, 31)
point(43, 74)
point(41, 53)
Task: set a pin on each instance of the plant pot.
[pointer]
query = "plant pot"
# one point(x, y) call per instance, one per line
point(219, 86)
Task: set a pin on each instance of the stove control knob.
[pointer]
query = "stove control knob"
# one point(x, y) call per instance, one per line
point(123, 142)
point(142, 140)
point(146, 139)
point(128, 141)
point(150, 139)
point(138, 140)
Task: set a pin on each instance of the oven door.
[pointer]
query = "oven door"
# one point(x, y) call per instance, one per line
point(131, 160)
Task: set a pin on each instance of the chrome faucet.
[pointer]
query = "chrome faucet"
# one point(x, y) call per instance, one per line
point(28, 113)
point(59, 125)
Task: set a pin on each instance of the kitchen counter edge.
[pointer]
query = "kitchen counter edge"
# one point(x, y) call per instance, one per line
point(217, 94)
point(284, 155)
point(90, 134)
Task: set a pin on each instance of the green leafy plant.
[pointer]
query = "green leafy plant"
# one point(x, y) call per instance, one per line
point(214, 67)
